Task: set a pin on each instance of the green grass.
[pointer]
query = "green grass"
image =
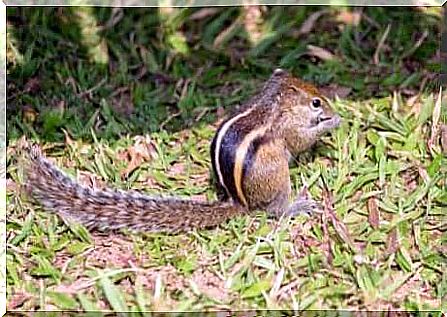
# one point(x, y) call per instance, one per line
point(140, 115)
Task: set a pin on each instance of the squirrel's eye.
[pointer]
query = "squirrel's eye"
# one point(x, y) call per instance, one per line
point(316, 103)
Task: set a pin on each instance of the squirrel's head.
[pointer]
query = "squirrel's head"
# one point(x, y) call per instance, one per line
point(305, 113)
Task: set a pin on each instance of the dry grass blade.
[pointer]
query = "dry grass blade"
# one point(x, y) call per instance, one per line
point(274, 292)
point(203, 13)
point(380, 45)
point(89, 91)
point(339, 226)
point(392, 243)
point(116, 17)
point(435, 120)
point(326, 238)
point(416, 45)
point(374, 214)
point(395, 104)
point(444, 138)
point(412, 100)
point(223, 36)
point(309, 23)
point(321, 53)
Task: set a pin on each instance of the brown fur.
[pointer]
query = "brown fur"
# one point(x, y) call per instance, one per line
point(286, 123)
point(269, 188)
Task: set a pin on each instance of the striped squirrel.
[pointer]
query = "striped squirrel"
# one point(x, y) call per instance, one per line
point(249, 153)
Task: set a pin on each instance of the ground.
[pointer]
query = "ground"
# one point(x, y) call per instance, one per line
point(130, 98)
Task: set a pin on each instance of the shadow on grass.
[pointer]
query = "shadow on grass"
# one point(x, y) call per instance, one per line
point(133, 71)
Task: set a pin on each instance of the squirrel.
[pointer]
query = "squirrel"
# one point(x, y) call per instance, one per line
point(250, 153)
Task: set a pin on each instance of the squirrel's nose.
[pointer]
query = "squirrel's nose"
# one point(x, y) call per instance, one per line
point(333, 120)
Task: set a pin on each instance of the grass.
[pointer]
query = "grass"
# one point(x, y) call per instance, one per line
point(130, 98)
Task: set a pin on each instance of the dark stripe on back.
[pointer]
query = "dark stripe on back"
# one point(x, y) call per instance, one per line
point(227, 157)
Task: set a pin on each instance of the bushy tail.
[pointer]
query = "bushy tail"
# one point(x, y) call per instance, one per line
point(114, 209)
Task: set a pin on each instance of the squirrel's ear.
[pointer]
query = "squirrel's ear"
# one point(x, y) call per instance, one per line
point(279, 72)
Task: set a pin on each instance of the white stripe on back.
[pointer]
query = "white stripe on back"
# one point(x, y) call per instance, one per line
point(220, 136)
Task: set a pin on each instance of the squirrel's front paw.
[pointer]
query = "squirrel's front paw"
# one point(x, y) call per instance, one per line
point(303, 205)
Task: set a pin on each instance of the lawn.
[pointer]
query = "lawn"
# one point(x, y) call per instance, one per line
point(132, 97)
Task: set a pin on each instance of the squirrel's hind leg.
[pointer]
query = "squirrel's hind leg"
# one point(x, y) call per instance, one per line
point(281, 206)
